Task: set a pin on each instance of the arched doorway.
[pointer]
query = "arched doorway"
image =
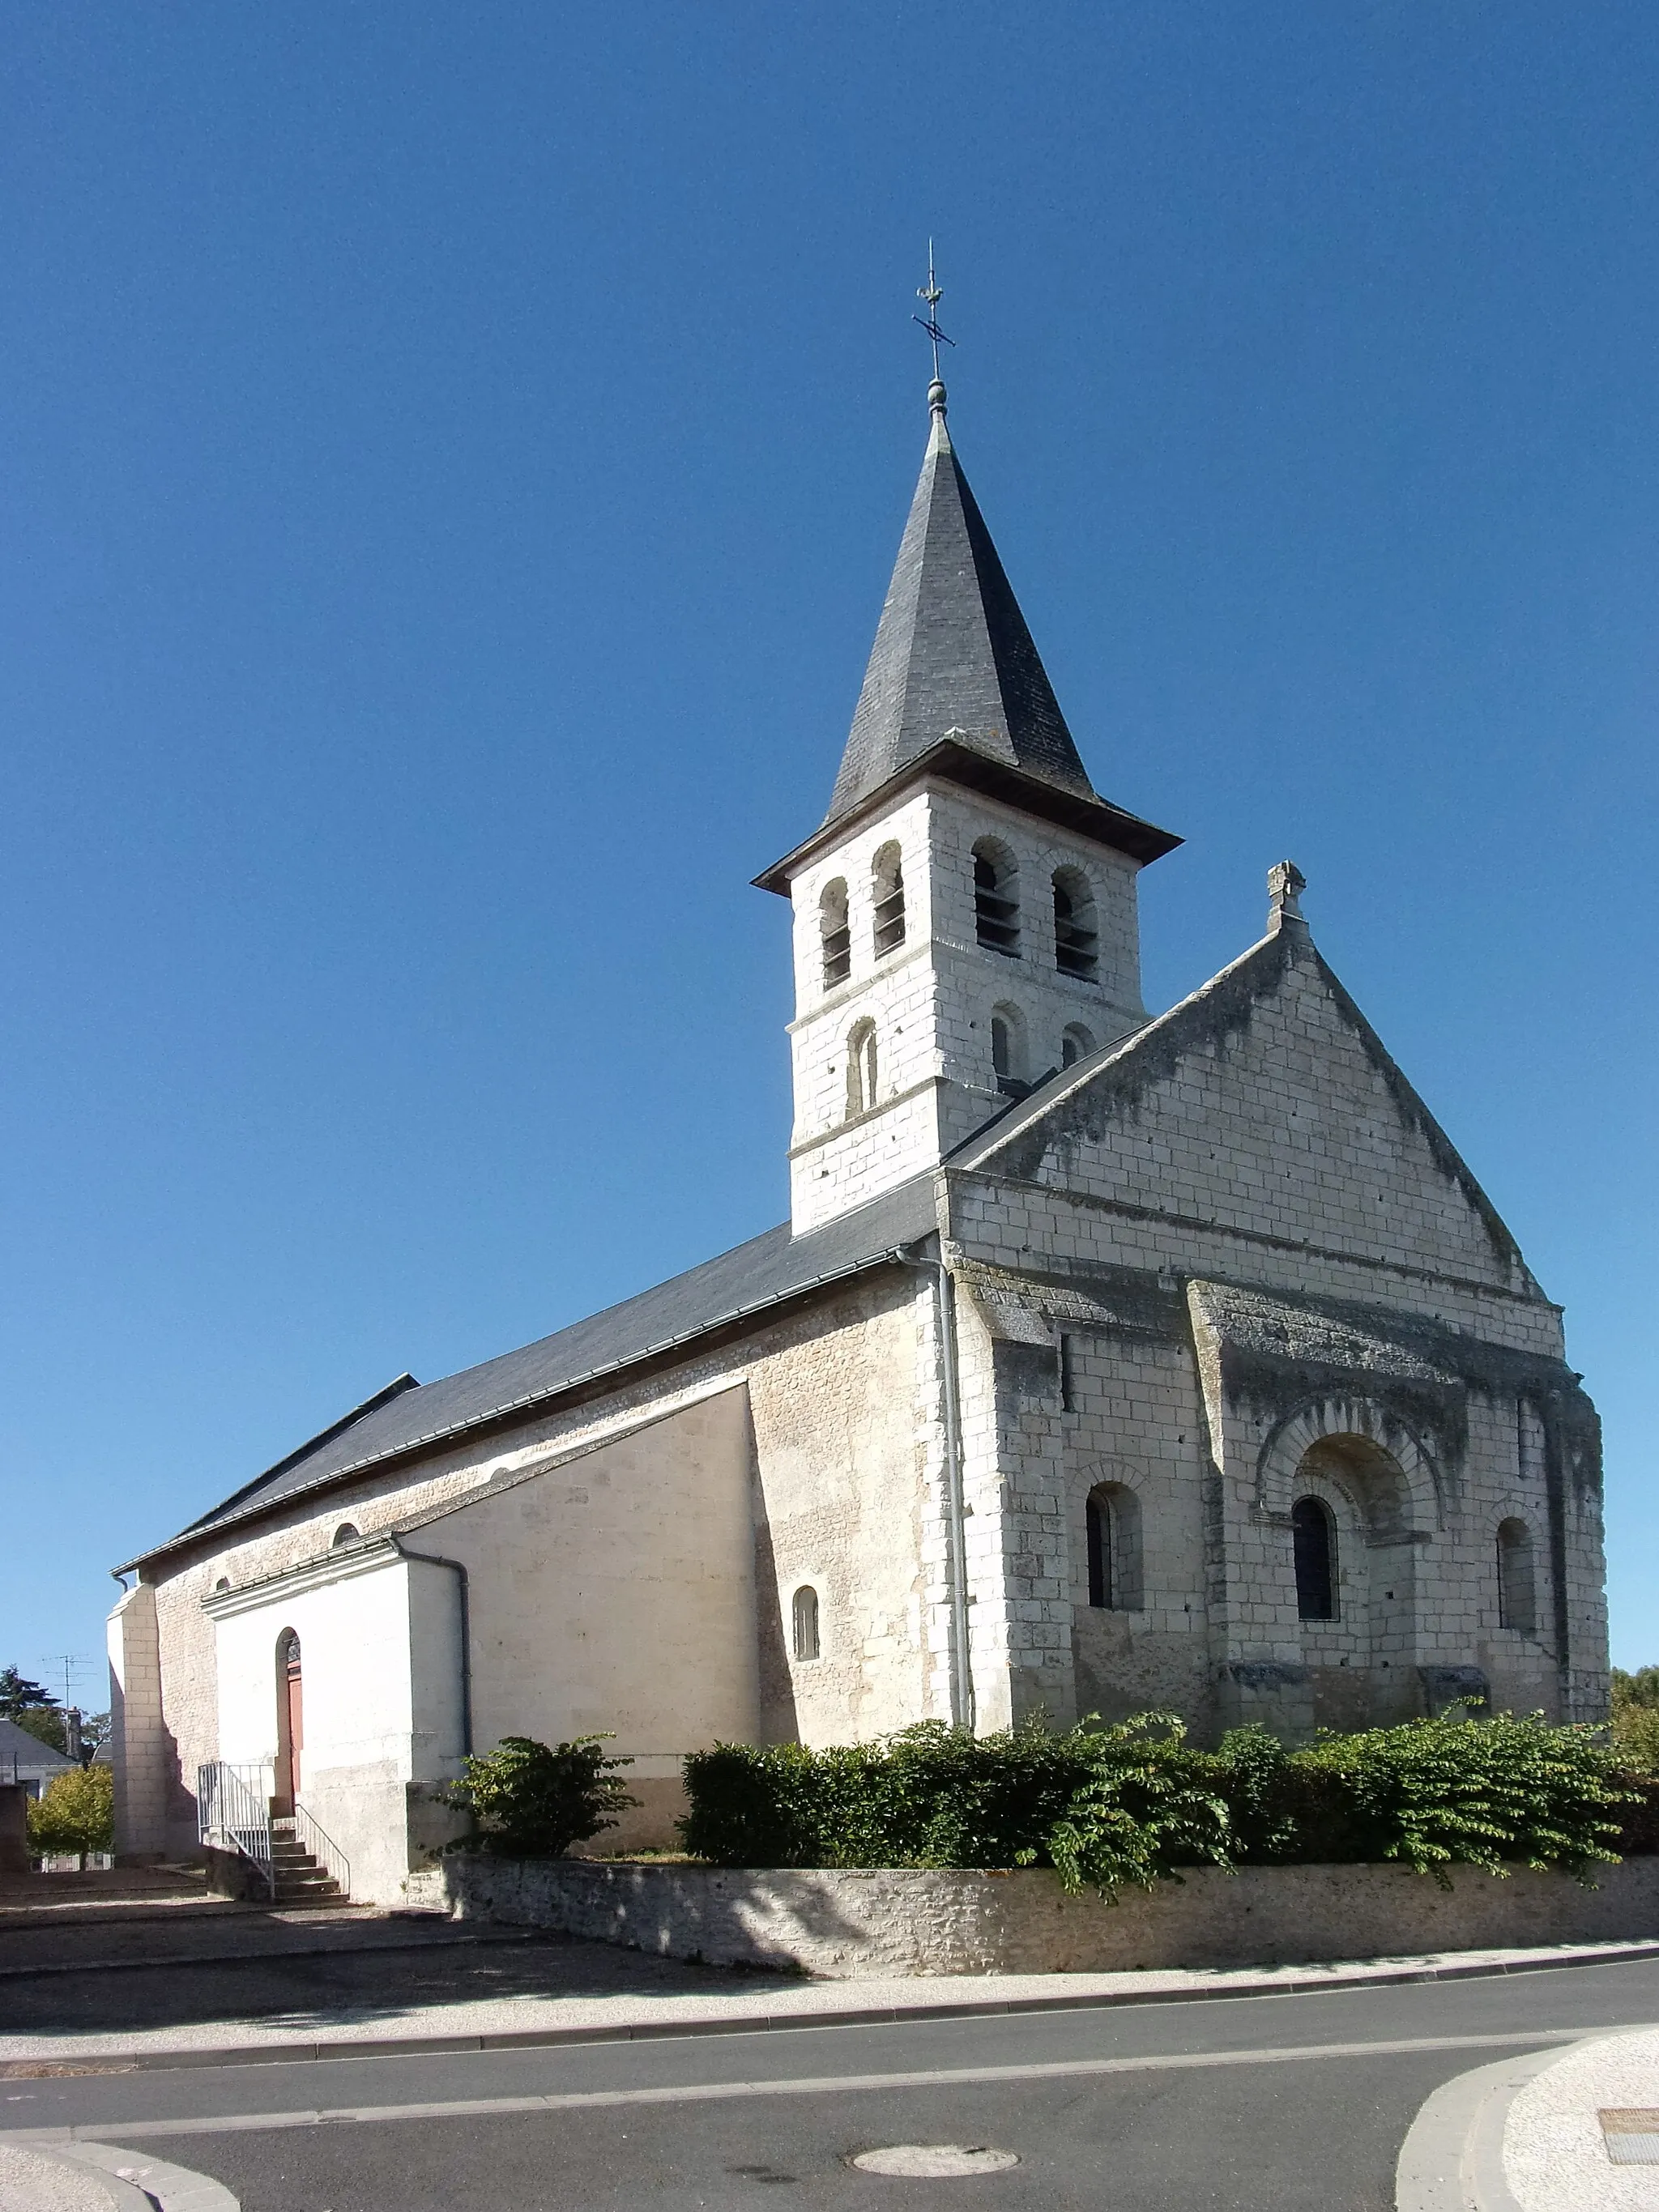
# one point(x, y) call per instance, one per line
point(1356, 1565)
point(291, 1723)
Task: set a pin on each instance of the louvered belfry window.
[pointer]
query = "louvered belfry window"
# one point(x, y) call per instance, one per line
point(887, 884)
point(835, 936)
point(996, 901)
point(1077, 944)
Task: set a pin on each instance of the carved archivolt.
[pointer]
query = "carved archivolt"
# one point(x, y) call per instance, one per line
point(1370, 1451)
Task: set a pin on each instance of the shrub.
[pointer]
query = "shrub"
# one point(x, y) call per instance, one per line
point(75, 1812)
point(1111, 1806)
point(1638, 1819)
point(531, 1800)
point(1487, 1793)
point(1105, 1806)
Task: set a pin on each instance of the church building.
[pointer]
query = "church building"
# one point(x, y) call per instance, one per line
point(1107, 1361)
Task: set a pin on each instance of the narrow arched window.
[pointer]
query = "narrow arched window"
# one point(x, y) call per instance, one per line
point(1008, 1049)
point(1002, 1050)
point(1313, 1542)
point(887, 885)
point(1077, 943)
point(1077, 1044)
point(835, 937)
point(223, 1582)
point(1518, 1603)
point(996, 897)
point(346, 1534)
point(1114, 1528)
point(861, 1068)
point(803, 1621)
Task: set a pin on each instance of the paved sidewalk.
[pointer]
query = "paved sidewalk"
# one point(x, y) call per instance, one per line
point(32, 2181)
point(558, 1989)
point(1557, 2152)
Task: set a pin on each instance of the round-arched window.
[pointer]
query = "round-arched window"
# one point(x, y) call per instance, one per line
point(863, 1069)
point(1114, 1532)
point(1077, 942)
point(887, 896)
point(1313, 1538)
point(1008, 1049)
point(834, 936)
point(803, 1622)
point(996, 897)
point(1517, 1602)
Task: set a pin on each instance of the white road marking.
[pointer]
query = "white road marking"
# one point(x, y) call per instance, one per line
point(822, 2085)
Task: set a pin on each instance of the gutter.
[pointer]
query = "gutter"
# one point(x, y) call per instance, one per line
point(963, 1707)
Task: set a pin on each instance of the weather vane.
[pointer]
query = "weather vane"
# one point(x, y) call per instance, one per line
point(931, 294)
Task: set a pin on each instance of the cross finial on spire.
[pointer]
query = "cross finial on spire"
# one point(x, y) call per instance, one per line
point(931, 294)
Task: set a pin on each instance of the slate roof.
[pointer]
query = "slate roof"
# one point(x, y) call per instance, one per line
point(952, 655)
point(746, 1282)
point(20, 1750)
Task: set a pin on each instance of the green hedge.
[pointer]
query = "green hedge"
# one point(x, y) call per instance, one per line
point(1133, 1803)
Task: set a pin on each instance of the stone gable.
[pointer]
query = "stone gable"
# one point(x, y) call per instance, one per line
point(1266, 1104)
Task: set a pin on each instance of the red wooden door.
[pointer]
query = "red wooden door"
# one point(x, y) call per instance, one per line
point(294, 1735)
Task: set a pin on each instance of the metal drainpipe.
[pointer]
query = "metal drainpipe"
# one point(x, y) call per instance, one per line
point(435, 1559)
point(963, 1708)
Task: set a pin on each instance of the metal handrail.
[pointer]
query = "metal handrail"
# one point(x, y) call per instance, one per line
point(322, 1847)
point(232, 1810)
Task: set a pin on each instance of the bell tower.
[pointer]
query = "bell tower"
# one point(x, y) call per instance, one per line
point(965, 918)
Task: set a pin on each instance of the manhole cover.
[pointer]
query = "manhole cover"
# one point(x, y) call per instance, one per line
point(935, 2161)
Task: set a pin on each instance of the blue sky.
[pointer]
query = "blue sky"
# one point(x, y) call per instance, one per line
point(451, 464)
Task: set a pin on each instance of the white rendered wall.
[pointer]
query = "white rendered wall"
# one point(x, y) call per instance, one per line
point(932, 999)
point(380, 1666)
point(615, 1593)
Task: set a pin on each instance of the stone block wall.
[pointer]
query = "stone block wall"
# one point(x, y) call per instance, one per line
point(933, 999)
point(845, 1925)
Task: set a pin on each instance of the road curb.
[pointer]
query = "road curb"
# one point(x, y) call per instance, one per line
point(1452, 2158)
point(46, 2065)
point(140, 2185)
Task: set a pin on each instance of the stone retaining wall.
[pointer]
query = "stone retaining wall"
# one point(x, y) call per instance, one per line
point(846, 1923)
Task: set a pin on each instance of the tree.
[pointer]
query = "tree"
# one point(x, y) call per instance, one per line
point(1636, 1718)
point(94, 1735)
point(18, 1695)
point(75, 1812)
point(46, 1725)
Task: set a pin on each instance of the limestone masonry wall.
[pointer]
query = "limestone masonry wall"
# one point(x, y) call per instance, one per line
point(848, 1923)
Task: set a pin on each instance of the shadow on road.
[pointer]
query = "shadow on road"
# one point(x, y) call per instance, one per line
point(296, 1977)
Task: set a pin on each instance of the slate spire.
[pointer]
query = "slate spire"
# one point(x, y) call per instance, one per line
point(952, 655)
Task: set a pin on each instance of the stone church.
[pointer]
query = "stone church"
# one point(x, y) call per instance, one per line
point(1106, 1361)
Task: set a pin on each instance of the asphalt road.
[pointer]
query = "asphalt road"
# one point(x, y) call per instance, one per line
point(1276, 2102)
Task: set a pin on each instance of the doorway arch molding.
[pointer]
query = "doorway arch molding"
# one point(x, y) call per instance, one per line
point(1340, 1415)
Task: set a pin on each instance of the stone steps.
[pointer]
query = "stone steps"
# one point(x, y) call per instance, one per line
point(299, 1877)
